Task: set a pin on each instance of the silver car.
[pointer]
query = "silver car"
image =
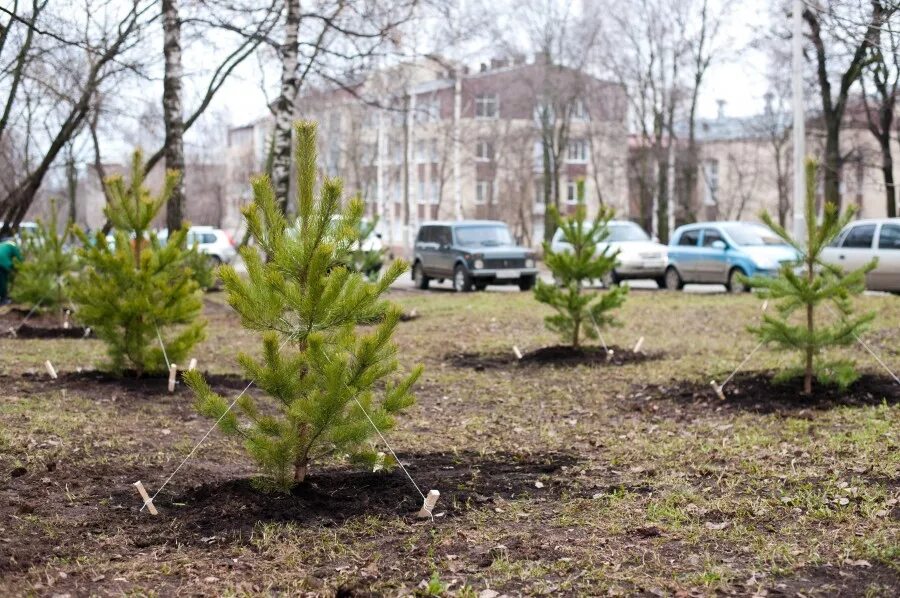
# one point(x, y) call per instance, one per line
point(862, 240)
point(639, 257)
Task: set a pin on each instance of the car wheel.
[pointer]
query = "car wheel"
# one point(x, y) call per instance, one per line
point(610, 279)
point(673, 280)
point(660, 282)
point(419, 277)
point(480, 286)
point(735, 285)
point(462, 282)
point(526, 283)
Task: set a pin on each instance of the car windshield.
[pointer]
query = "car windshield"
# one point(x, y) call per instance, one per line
point(626, 231)
point(483, 235)
point(752, 235)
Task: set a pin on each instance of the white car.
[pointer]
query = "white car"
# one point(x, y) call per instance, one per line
point(862, 240)
point(212, 241)
point(640, 257)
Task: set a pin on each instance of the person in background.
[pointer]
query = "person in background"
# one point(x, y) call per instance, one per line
point(9, 254)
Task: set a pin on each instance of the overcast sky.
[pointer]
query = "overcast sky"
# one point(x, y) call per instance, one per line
point(738, 77)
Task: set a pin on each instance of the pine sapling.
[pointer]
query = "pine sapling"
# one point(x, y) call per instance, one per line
point(43, 277)
point(579, 312)
point(137, 289)
point(324, 375)
point(802, 287)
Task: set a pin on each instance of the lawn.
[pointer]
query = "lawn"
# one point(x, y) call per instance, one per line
point(609, 479)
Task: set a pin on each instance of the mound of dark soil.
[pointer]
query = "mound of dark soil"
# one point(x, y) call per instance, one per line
point(556, 355)
point(38, 325)
point(41, 332)
point(89, 381)
point(756, 392)
point(330, 496)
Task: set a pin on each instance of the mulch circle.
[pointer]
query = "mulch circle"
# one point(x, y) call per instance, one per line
point(41, 332)
point(466, 480)
point(555, 355)
point(38, 325)
point(756, 391)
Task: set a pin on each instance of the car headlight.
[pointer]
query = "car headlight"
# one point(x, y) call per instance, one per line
point(529, 263)
point(478, 264)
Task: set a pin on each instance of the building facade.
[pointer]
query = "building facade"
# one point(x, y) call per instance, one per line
point(427, 141)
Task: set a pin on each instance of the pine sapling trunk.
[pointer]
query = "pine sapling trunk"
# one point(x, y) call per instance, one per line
point(810, 328)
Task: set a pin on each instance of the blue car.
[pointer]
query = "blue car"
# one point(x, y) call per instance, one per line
point(717, 252)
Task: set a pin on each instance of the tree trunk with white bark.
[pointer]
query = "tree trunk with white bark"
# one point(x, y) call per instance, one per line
point(173, 113)
point(285, 106)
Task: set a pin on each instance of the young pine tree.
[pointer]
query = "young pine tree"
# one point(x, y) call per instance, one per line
point(137, 289)
point(318, 368)
point(801, 291)
point(578, 312)
point(43, 277)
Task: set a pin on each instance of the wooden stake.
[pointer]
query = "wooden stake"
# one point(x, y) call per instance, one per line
point(87, 332)
point(148, 502)
point(379, 462)
point(718, 389)
point(517, 352)
point(12, 332)
point(609, 354)
point(193, 365)
point(173, 371)
point(66, 319)
point(428, 506)
point(638, 344)
point(49, 367)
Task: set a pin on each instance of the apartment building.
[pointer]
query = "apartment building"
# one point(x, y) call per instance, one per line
point(429, 141)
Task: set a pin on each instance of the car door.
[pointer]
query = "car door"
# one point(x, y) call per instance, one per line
point(445, 258)
point(712, 264)
point(886, 276)
point(426, 249)
point(856, 249)
point(686, 253)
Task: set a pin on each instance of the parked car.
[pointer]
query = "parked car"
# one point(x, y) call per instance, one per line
point(862, 240)
point(472, 254)
point(214, 242)
point(640, 257)
point(718, 252)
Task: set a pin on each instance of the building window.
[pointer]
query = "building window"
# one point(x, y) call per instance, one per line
point(433, 192)
point(420, 196)
point(429, 110)
point(577, 151)
point(711, 175)
point(483, 192)
point(578, 110)
point(421, 152)
point(573, 193)
point(539, 191)
point(487, 106)
point(484, 151)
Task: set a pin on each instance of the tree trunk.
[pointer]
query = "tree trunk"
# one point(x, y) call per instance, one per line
point(887, 169)
point(833, 165)
point(301, 467)
point(71, 188)
point(662, 190)
point(285, 106)
point(173, 114)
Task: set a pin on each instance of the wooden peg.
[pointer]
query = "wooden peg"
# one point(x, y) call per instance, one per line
point(517, 352)
point(148, 502)
point(49, 367)
point(765, 304)
point(609, 354)
point(173, 372)
point(193, 365)
point(718, 389)
point(12, 332)
point(87, 332)
point(66, 319)
point(428, 506)
point(638, 345)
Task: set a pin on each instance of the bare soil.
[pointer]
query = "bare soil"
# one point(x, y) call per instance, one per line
point(555, 355)
point(757, 392)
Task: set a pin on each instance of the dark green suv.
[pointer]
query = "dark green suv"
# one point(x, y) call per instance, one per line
point(472, 254)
